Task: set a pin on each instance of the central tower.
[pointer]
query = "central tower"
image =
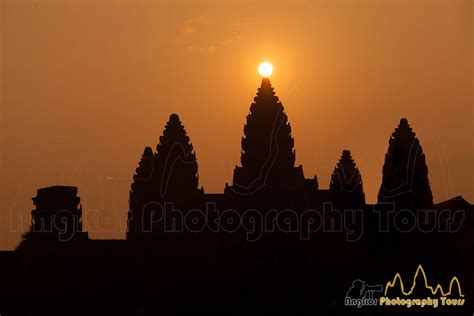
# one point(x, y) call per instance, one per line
point(268, 155)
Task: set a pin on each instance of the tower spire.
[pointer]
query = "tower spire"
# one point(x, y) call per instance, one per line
point(346, 176)
point(346, 183)
point(268, 155)
point(175, 162)
point(169, 175)
point(405, 174)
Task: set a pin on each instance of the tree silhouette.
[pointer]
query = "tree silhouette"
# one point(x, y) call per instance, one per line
point(268, 157)
point(405, 174)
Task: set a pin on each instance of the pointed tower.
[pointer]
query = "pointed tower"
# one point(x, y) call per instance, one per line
point(141, 190)
point(268, 157)
point(405, 174)
point(176, 170)
point(346, 181)
point(169, 175)
point(346, 176)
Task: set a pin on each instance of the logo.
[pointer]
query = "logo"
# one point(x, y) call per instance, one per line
point(421, 293)
point(362, 294)
point(418, 292)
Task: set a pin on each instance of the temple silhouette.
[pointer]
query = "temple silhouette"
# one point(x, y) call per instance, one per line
point(178, 260)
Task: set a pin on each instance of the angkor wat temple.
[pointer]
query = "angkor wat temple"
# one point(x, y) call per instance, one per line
point(273, 242)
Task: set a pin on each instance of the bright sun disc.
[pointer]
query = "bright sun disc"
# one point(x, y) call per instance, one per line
point(265, 69)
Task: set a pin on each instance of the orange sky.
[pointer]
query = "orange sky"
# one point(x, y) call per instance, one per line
point(87, 84)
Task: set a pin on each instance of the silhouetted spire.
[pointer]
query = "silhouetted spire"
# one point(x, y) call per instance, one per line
point(143, 173)
point(267, 155)
point(346, 176)
point(141, 190)
point(170, 175)
point(405, 174)
point(175, 162)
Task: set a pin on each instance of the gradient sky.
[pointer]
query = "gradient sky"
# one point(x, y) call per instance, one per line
point(87, 84)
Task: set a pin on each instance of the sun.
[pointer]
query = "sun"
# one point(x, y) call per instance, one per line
point(265, 69)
